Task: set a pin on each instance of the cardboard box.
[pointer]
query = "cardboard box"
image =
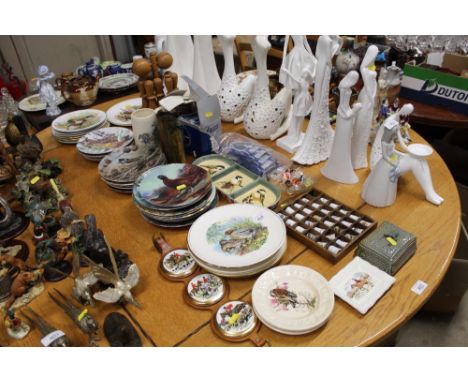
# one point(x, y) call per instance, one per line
point(436, 88)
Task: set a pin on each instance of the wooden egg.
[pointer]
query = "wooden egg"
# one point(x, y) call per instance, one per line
point(164, 60)
point(141, 67)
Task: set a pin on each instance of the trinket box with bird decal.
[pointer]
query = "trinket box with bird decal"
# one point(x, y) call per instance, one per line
point(388, 247)
point(237, 183)
point(324, 224)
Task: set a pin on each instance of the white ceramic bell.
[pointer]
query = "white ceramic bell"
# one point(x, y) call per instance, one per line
point(339, 167)
point(380, 187)
point(264, 116)
point(205, 72)
point(233, 94)
point(297, 73)
point(318, 139)
point(364, 118)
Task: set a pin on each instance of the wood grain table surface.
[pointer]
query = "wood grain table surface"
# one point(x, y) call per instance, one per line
point(171, 322)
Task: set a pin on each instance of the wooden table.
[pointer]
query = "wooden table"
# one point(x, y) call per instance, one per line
point(170, 321)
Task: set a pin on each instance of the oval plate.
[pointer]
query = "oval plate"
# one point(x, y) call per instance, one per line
point(34, 102)
point(118, 82)
point(120, 114)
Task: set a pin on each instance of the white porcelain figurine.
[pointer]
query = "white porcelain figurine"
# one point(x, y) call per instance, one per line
point(318, 139)
point(264, 116)
point(181, 49)
point(380, 187)
point(234, 94)
point(364, 118)
point(205, 72)
point(339, 167)
point(297, 73)
point(47, 91)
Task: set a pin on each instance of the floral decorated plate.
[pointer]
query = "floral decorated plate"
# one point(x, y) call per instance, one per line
point(293, 299)
point(172, 186)
point(78, 121)
point(361, 284)
point(235, 319)
point(236, 235)
point(120, 114)
point(103, 141)
point(118, 82)
point(34, 102)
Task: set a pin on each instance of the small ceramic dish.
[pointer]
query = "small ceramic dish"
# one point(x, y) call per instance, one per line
point(361, 284)
point(214, 163)
point(34, 102)
point(104, 141)
point(78, 121)
point(120, 114)
point(118, 82)
point(233, 179)
point(260, 192)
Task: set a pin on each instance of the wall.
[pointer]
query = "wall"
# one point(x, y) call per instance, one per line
point(59, 53)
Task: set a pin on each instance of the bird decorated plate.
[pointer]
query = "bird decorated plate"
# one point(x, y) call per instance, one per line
point(118, 82)
point(172, 186)
point(34, 102)
point(235, 319)
point(236, 235)
point(121, 113)
point(205, 289)
point(293, 299)
point(80, 120)
point(103, 141)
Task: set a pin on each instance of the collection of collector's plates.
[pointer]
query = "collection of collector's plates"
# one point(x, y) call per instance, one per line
point(237, 240)
point(292, 299)
point(174, 195)
point(98, 143)
point(70, 127)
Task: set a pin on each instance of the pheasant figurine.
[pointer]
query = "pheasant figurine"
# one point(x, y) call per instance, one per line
point(234, 94)
point(264, 116)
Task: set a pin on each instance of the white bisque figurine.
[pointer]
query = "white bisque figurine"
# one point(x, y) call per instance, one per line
point(365, 116)
point(380, 187)
point(264, 116)
point(234, 94)
point(181, 49)
point(47, 92)
point(318, 139)
point(297, 73)
point(205, 72)
point(339, 167)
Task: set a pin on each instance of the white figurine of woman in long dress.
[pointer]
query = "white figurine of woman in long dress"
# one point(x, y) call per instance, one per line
point(380, 187)
point(297, 72)
point(364, 118)
point(319, 135)
point(47, 92)
point(339, 167)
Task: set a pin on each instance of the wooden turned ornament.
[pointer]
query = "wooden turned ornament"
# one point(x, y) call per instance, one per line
point(154, 64)
point(151, 98)
point(142, 68)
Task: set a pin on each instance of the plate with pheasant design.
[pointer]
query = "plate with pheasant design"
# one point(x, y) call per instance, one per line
point(172, 186)
point(292, 299)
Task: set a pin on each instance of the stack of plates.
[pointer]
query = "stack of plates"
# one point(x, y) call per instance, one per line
point(174, 195)
point(98, 143)
point(70, 127)
point(292, 299)
point(237, 240)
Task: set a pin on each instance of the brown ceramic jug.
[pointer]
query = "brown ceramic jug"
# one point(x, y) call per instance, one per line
point(81, 91)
